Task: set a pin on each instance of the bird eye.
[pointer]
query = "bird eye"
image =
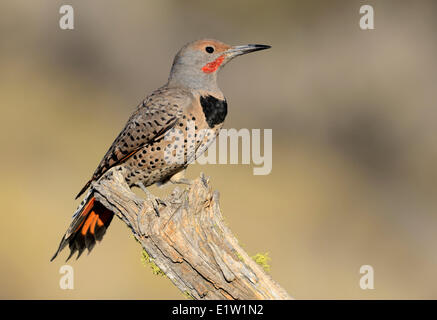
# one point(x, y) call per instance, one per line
point(209, 49)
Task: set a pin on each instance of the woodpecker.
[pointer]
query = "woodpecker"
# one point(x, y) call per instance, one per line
point(191, 96)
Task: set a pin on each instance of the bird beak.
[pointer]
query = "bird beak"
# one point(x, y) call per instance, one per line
point(239, 50)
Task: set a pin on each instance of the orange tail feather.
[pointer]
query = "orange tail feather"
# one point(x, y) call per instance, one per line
point(88, 226)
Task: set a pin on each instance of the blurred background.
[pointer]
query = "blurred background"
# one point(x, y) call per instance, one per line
point(353, 115)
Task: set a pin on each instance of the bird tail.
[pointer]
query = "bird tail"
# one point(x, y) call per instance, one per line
point(89, 224)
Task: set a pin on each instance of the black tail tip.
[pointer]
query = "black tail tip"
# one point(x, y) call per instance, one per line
point(54, 256)
point(83, 189)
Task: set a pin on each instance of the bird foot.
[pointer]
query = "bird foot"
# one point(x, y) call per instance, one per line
point(149, 195)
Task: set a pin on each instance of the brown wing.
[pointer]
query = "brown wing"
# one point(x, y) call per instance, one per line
point(158, 113)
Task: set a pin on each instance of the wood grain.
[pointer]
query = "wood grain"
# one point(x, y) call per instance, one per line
point(187, 239)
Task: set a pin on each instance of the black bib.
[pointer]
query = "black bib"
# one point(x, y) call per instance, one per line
point(215, 110)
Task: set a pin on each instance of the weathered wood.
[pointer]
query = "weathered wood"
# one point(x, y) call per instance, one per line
point(187, 239)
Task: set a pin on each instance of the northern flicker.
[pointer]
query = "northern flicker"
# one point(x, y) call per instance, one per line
point(191, 97)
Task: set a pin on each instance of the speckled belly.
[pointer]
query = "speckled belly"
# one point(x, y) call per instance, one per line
point(158, 161)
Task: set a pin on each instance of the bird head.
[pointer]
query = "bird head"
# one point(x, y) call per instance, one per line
point(196, 65)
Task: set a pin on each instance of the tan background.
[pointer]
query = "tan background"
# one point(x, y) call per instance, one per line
point(353, 115)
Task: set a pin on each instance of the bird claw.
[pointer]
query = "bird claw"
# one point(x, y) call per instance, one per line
point(155, 207)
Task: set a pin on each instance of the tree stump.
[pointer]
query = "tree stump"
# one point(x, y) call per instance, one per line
point(186, 238)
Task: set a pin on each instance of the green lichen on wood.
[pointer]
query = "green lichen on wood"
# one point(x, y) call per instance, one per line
point(262, 260)
point(147, 260)
point(187, 295)
point(239, 256)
